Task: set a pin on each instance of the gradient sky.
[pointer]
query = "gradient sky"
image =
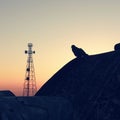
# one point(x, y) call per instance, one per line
point(52, 26)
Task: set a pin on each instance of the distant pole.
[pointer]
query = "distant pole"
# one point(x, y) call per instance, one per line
point(29, 88)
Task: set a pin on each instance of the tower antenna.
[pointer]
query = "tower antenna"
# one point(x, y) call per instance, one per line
point(29, 88)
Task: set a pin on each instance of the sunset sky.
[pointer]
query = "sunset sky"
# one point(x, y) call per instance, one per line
point(52, 26)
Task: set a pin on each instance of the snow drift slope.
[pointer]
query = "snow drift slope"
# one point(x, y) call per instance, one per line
point(92, 84)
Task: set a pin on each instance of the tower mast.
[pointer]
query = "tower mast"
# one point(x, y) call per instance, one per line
point(29, 88)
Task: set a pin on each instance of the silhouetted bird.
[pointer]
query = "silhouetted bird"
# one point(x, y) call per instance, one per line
point(78, 52)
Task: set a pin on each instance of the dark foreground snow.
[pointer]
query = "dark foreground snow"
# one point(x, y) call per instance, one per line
point(34, 108)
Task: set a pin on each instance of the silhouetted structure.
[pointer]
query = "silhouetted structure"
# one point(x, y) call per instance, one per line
point(29, 88)
point(4, 93)
point(92, 85)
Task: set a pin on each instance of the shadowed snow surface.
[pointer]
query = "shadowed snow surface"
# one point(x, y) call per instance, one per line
point(91, 83)
point(35, 108)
